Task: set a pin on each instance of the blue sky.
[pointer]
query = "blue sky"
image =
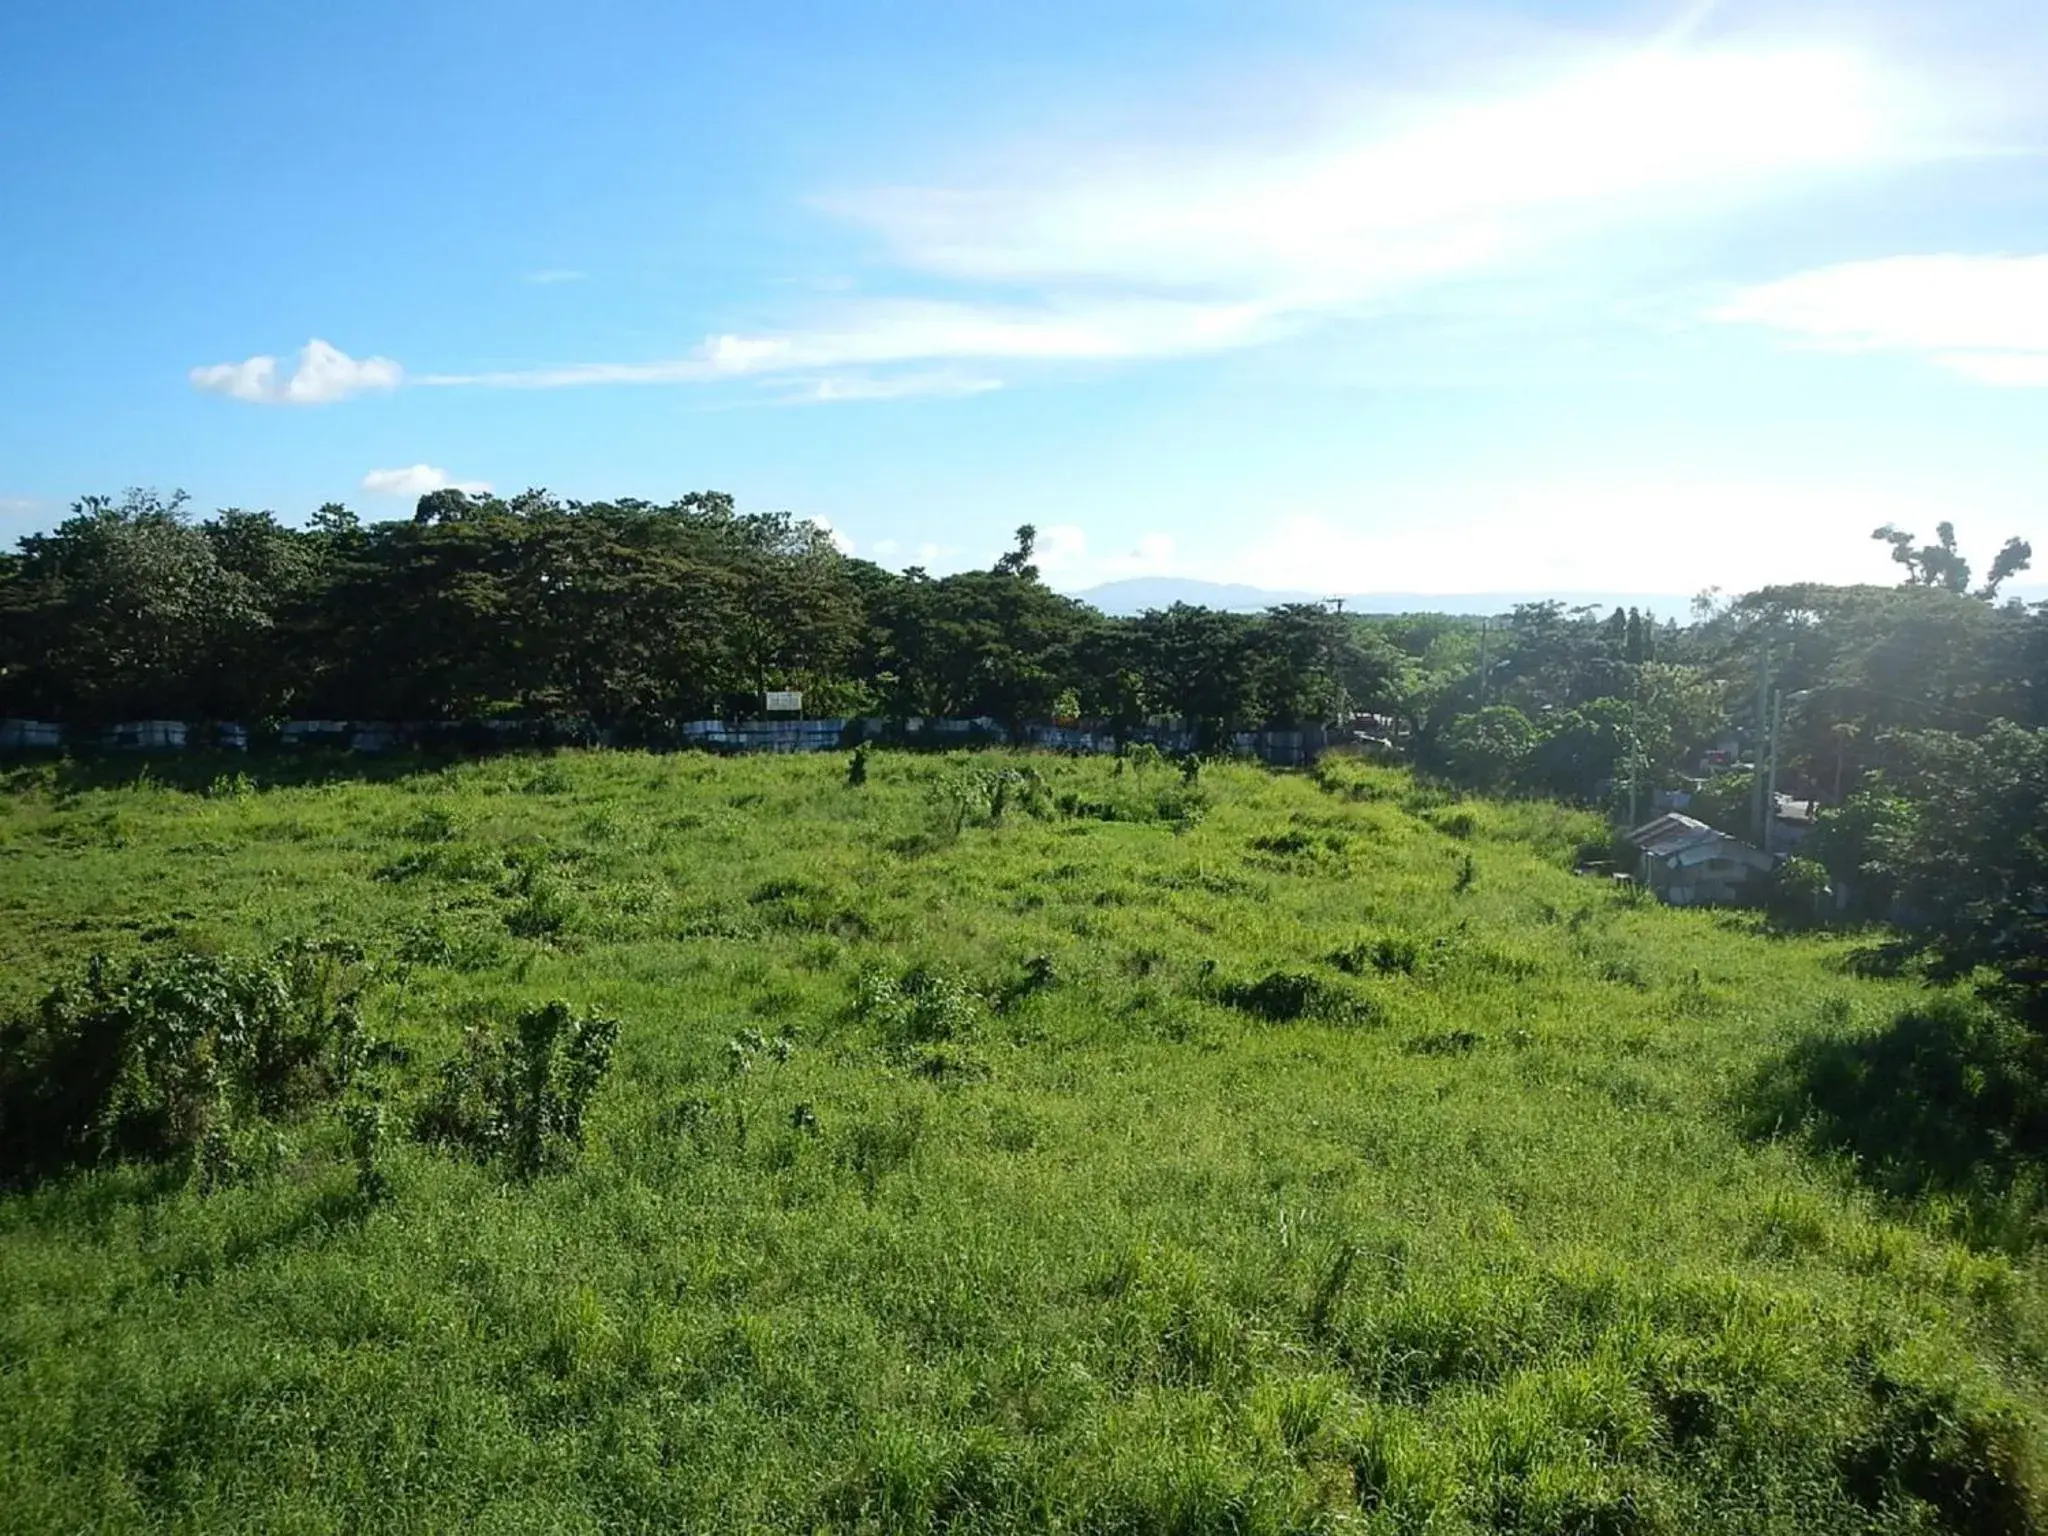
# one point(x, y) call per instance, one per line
point(1314, 295)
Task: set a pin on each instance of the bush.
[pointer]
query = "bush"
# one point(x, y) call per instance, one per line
point(1284, 996)
point(1390, 954)
point(924, 1007)
point(1798, 894)
point(522, 1098)
point(986, 795)
point(175, 1055)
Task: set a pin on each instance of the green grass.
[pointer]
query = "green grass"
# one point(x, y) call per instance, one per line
point(1225, 1157)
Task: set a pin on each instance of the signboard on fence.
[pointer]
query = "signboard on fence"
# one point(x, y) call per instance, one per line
point(784, 702)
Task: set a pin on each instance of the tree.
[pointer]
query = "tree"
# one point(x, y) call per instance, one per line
point(1966, 845)
point(1489, 749)
point(126, 610)
point(1940, 565)
point(1018, 561)
point(1309, 659)
point(2014, 556)
point(1726, 802)
point(1577, 750)
point(1200, 665)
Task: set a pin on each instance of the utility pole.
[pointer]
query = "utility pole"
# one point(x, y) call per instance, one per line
point(1763, 712)
point(1341, 704)
point(1483, 621)
point(1634, 770)
point(1771, 780)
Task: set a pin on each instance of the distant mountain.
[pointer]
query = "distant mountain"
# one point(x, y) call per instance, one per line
point(1139, 593)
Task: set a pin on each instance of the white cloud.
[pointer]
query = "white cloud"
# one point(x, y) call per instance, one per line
point(1132, 252)
point(898, 332)
point(834, 388)
point(840, 541)
point(2001, 370)
point(324, 373)
point(1153, 553)
point(1926, 303)
point(1060, 548)
point(1469, 536)
point(549, 275)
point(1391, 198)
point(416, 480)
point(1982, 317)
point(1069, 559)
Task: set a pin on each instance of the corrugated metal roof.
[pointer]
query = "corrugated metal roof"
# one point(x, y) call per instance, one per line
point(1670, 837)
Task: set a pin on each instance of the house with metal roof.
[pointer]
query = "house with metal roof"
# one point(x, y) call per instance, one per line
point(1690, 864)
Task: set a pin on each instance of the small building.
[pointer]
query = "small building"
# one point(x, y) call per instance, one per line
point(314, 733)
point(1791, 822)
point(372, 736)
point(1689, 864)
point(147, 736)
point(30, 736)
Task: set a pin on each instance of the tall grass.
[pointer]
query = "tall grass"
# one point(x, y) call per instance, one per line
point(1255, 1152)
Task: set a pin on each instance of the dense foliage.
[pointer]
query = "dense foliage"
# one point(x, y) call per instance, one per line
point(628, 615)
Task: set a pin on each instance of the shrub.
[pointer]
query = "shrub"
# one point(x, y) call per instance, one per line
point(1287, 844)
point(1142, 755)
point(522, 1098)
point(986, 795)
point(1798, 893)
point(1388, 955)
point(176, 1055)
point(1458, 824)
point(924, 1006)
point(364, 1124)
point(1961, 1459)
point(1284, 996)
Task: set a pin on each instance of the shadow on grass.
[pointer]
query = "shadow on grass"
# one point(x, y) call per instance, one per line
point(200, 772)
point(1945, 1108)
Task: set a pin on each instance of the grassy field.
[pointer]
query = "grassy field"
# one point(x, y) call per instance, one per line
point(1018, 1143)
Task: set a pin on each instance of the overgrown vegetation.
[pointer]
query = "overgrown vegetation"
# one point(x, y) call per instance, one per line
point(1047, 1168)
point(174, 1058)
point(522, 1098)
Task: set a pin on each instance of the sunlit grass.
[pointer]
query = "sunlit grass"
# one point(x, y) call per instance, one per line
point(1273, 1153)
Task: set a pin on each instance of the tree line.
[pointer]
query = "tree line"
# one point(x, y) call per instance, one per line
point(631, 615)
point(1915, 713)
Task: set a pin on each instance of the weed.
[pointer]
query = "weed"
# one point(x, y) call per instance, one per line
point(922, 1006)
point(1038, 974)
point(364, 1123)
point(1285, 996)
point(876, 1148)
point(175, 1056)
point(1330, 1290)
point(522, 1099)
point(1286, 844)
point(1449, 1042)
point(1391, 954)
